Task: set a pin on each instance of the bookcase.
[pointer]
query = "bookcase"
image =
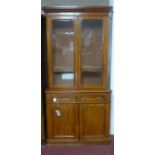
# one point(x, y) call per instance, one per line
point(78, 62)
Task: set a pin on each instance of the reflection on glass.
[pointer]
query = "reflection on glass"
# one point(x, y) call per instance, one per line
point(92, 51)
point(63, 52)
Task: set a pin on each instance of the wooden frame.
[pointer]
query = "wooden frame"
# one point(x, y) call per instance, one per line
point(58, 9)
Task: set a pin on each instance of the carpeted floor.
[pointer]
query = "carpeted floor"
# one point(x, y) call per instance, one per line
point(79, 149)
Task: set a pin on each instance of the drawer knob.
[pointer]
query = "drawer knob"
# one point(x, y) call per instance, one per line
point(54, 99)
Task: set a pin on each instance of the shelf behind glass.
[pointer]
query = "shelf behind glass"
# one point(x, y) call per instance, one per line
point(64, 78)
point(89, 78)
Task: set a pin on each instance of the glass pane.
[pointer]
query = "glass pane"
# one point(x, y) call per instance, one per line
point(92, 51)
point(63, 52)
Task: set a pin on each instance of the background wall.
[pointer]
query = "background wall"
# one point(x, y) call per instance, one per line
point(74, 2)
point(89, 3)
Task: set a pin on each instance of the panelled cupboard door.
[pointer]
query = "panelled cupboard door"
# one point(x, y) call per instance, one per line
point(61, 41)
point(92, 51)
point(62, 122)
point(92, 121)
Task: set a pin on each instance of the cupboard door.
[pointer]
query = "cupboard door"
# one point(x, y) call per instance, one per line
point(61, 39)
point(92, 122)
point(62, 122)
point(91, 52)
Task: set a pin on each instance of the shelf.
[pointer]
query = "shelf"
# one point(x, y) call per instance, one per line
point(91, 69)
point(66, 33)
point(63, 69)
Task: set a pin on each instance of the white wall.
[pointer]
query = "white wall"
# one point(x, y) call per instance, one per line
point(89, 3)
point(74, 2)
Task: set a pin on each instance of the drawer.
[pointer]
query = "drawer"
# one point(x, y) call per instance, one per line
point(94, 99)
point(61, 98)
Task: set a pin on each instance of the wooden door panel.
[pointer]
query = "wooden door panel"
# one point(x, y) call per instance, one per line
point(91, 122)
point(63, 127)
point(64, 124)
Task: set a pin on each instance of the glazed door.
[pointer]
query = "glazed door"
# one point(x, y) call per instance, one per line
point(61, 52)
point(92, 52)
